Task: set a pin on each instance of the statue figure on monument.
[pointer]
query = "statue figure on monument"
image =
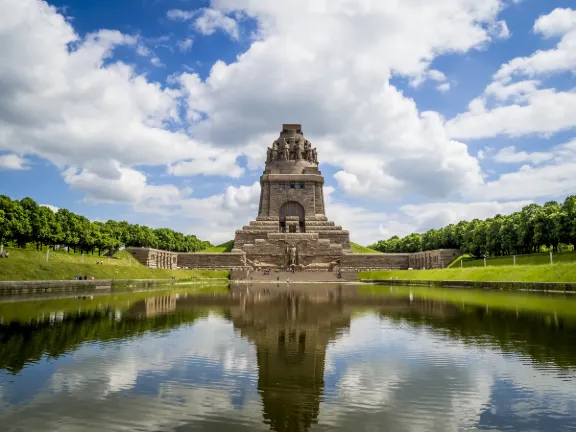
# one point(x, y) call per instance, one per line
point(315, 156)
point(275, 152)
point(286, 150)
point(298, 150)
point(269, 155)
point(291, 255)
point(307, 151)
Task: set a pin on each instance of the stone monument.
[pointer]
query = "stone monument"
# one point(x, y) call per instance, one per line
point(291, 231)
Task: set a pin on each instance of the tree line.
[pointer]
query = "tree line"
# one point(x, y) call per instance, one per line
point(535, 228)
point(25, 222)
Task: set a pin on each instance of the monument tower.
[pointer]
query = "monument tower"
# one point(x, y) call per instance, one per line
point(291, 229)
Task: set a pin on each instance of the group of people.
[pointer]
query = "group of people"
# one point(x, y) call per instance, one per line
point(4, 254)
point(83, 278)
point(99, 262)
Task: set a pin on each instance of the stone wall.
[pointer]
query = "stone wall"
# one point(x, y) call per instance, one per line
point(276, 189)
point(211, 261)
point(435, 259)
point(155, 258)
point(313, 250)
point(388, 261)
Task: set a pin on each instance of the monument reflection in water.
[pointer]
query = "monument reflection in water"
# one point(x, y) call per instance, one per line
point(275, 358)
point(291, 331)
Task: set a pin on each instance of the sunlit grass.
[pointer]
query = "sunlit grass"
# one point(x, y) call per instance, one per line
point(356, 248)
point(224, 247)
point(26, 264)
point(561, 272)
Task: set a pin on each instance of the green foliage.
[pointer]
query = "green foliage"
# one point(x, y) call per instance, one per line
point(27, 264)
point(356, 248)
point(562, 272)
point(534, 229)
point(24, 222)
point(224, 247)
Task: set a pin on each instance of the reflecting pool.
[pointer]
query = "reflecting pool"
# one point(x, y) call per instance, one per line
point(317, 357)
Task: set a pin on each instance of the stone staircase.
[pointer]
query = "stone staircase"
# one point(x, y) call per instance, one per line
point(296, 277)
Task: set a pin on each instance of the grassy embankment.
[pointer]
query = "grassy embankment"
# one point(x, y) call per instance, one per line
point(524, 260)
point(562, 272)
point(26, 264)
point(224, 247)
point(356, 248)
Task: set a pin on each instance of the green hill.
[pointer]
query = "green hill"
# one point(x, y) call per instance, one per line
point(563, 272)
point(531, 259)
point(224, 247)
point(26, 264)
point(356, 248)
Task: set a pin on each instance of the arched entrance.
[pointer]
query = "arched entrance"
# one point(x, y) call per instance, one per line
point(292, 208)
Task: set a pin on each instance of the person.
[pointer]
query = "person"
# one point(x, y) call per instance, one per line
point(85, 277)
point(6, 254)
point(92, 278)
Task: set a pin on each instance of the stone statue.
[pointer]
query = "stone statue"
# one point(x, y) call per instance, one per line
point(298, 150)
point(315, 156)
point(275, 152)
point(268, 155)
point(307, 151)
point(286, 150)
point(291, 255)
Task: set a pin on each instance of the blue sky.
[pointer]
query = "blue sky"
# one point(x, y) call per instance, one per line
point(160, 111)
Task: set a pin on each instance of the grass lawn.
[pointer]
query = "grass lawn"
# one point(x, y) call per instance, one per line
point(562, 272)
point(356, 248)
point(224, 247)
point(27, 264)
point(530, 259)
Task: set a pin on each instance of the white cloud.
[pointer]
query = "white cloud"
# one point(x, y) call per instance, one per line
point(557, 23)
point(180, 15)
point(50, 206)
point(207, 21)
point(337, 81)
point(13, 162)
point(560, 22)
point(211, 20)
point(544, 111)
point(115, 183)
point(185, 44)
point(500, 30)
point(531, 109)
point(437, 215)
point(65, 99)
point(444, 87)
point(510, 155)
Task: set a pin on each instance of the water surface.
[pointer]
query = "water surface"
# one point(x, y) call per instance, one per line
point(318, 358)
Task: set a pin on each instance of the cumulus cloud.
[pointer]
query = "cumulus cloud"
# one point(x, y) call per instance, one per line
point(531, 109)
point(64, 98)
point(50, 206)
point(13, 162)
point(337, 80)
point(207, 21)
point(185, 44)
point(510, 155)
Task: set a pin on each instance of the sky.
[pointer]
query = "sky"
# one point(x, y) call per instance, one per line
point(159, 112)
